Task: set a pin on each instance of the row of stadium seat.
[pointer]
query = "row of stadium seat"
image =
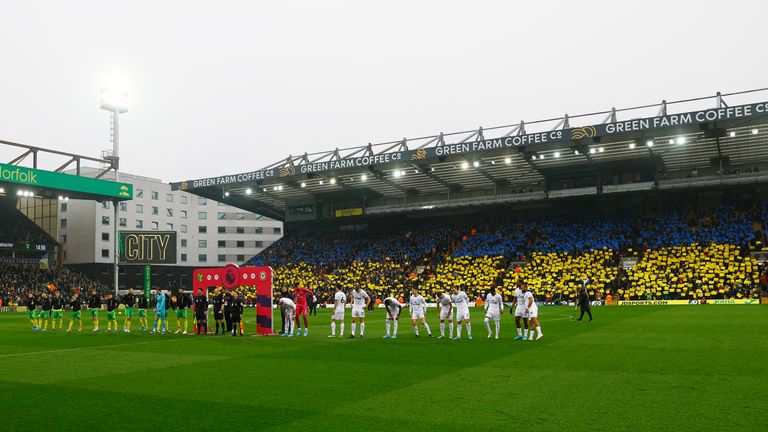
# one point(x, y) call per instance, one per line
point(686, 255)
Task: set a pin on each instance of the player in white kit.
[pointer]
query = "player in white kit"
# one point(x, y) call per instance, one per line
point(393, 308)
point(533, 314)
point(418, 312)
point(289, 307)
point(461, 301)
point(494, 308)
point(445, 310)
point(520, 314)
point(339, 302)
point(360, 302)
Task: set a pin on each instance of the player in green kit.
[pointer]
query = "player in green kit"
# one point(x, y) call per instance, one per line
point(45, 313)
point(32, 311)
point(112, 305)
point(143, 304)
point(74, 308)
point(94, 304)
point(57, 304)
point(181, 312)
point(129, 300)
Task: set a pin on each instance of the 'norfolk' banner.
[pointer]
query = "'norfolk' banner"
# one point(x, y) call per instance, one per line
point(739, 112)
point(66, 182)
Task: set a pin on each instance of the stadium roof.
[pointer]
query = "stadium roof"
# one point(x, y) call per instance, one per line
point(492, 164)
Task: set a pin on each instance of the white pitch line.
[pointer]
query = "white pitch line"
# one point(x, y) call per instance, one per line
point(85, 348)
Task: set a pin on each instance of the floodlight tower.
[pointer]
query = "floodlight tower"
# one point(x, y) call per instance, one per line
point(116, 102)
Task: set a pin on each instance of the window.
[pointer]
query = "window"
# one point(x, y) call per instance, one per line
point(221, 230)
point(240, 216)
point(259, 230)
point(183, 257)
point(221, 258)
point(202, 229)
point(202, 201)
point(105, 253)
point(259, 244)
point(63, 207)
point(184, 228)
point(221, 215)
point(123, 206)
point(139, 208)
point(183, 242)
point(139, 193)
point(202, 258)
point(63, 238)
point(202, 244)
point(183, 199)
point(139, 224)
point(104, 236)
point(277, 231)
point(222, 243)
point(183, 214)
point(240, 230)
point(241, 258)
point(155, 211)
point(63, 223)
point(105, 204)
point(123, 222)
point(168, 197)
point(240, 244)
point(155, 195)
point(202, 216)
point(169, 227)
point(155, 226)
point(105, 220)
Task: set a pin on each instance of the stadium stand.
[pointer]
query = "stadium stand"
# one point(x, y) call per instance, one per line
point(685, 254)
point(17, 228)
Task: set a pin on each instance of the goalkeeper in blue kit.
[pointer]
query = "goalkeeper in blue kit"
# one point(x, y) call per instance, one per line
point(161, 324)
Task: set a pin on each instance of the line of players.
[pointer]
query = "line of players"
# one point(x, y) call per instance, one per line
point(49, 310)
point(526, 313)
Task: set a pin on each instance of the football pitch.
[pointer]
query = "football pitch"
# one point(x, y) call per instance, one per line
point(634, 368)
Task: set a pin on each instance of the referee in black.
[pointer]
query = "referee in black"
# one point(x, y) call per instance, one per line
point(201, 313)
point(228, 310)
point(218, 314)
point(584, 304)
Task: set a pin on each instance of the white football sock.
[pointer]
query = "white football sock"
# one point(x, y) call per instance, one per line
point(519, 331)
point(333, 329)
point(469, 329)
point(426, 326)
point(416, 329)
point(450, 329)
point(487, 325)
point(342, 329)
point(442, 329)
point(387, 327)
point(498, 326)
point(458, 330)
point(354, 328)
point(538, 329)
point(395, 329)
point(525, 333)
point(362, 329)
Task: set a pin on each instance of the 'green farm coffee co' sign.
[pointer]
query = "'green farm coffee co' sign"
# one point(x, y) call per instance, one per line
point(66, 182)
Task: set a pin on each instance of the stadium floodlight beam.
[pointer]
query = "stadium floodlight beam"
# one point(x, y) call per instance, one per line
point(116, 102)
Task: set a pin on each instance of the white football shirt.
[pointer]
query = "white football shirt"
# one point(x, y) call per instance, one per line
point(341, 298)
point(418, 304)
point(358, 298)
point(461, 300)
point(493, 303)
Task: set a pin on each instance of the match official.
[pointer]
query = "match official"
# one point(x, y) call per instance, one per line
point(584, 304)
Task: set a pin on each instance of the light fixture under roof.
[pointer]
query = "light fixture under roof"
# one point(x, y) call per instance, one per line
point(732, 134)
point(333, 181)
point(303, 184)
point(649, 143)
point(631, 145)
point(557, 154)
point(592, 151)
point(755, 131)
point(680, 140)
point(508, 160)
point(671, 141)
point(476, 164)
point(321, 182)
point(464, 165)
point(248, 191)
point(226, 194)
point(364, 177)
point(601, 149)
point(396, 174)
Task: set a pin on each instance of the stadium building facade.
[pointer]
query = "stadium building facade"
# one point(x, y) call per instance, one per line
point(210, 233)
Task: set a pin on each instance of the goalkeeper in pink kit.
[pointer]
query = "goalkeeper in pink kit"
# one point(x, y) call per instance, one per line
point(300, 294)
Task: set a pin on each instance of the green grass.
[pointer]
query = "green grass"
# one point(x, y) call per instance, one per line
point(634, 368)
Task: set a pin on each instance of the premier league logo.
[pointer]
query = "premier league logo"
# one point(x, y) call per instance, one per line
point(231, 276)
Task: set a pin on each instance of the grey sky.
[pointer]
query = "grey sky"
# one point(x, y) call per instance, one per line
point(224, 87)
